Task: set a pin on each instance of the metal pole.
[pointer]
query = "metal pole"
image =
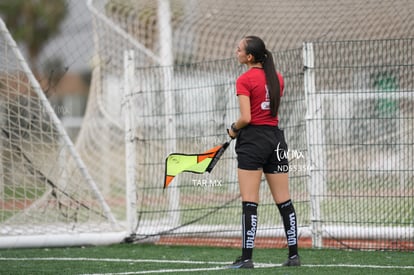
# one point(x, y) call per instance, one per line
point(130, 143)
point(315, 140)
point(167, 62)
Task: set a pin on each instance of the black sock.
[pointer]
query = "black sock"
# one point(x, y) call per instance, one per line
point(287, 211)
point(249, 224)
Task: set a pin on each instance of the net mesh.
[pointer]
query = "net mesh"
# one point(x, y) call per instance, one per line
point(42, 189)
point(209, 30)
point(366, 89)
point(372, 63)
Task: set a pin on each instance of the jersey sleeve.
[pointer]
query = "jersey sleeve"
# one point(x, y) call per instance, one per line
point(242, 86)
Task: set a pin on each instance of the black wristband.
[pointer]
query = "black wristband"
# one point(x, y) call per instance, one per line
point(233, 127)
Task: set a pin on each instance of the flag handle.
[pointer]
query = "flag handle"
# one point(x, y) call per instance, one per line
point(218, 155)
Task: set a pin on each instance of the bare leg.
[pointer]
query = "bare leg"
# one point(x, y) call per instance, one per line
point(249, 183)
point(279, 186)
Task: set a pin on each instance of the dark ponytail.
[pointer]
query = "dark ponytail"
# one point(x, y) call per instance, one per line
point(272, 81)
point(256, 47)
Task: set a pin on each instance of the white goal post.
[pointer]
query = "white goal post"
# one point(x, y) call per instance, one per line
point(47, 196)
point(163, 80)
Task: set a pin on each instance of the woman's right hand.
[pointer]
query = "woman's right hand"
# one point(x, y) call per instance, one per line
point(232, 134)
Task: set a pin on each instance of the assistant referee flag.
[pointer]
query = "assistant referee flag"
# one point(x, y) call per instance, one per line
point(176, 163)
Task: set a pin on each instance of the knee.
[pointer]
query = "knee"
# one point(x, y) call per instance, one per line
point(250, 197)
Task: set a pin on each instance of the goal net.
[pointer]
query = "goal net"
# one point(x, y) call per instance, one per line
point(205, 208)
point(163, 81)
point(360, 124)
point(47, 196)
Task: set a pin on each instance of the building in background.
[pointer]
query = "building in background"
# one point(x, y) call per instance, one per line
point(67, 57)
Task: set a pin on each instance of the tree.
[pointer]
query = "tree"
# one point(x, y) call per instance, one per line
point(33, 22)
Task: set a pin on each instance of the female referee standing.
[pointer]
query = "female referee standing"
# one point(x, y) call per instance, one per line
point(261, 147)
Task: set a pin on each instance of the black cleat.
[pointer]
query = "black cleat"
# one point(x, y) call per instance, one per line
point(239, 263)
point(292, 261)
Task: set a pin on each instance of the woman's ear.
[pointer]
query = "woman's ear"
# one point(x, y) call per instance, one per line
point(250, 57)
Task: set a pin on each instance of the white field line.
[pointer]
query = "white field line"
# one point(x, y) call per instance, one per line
point(114, 260)
point(158, 271)
point(223, 264)
point(361, 266)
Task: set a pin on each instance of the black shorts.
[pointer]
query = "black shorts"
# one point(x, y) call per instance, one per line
point(261, 147)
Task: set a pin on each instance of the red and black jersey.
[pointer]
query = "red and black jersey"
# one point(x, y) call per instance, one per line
point(253, 84)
